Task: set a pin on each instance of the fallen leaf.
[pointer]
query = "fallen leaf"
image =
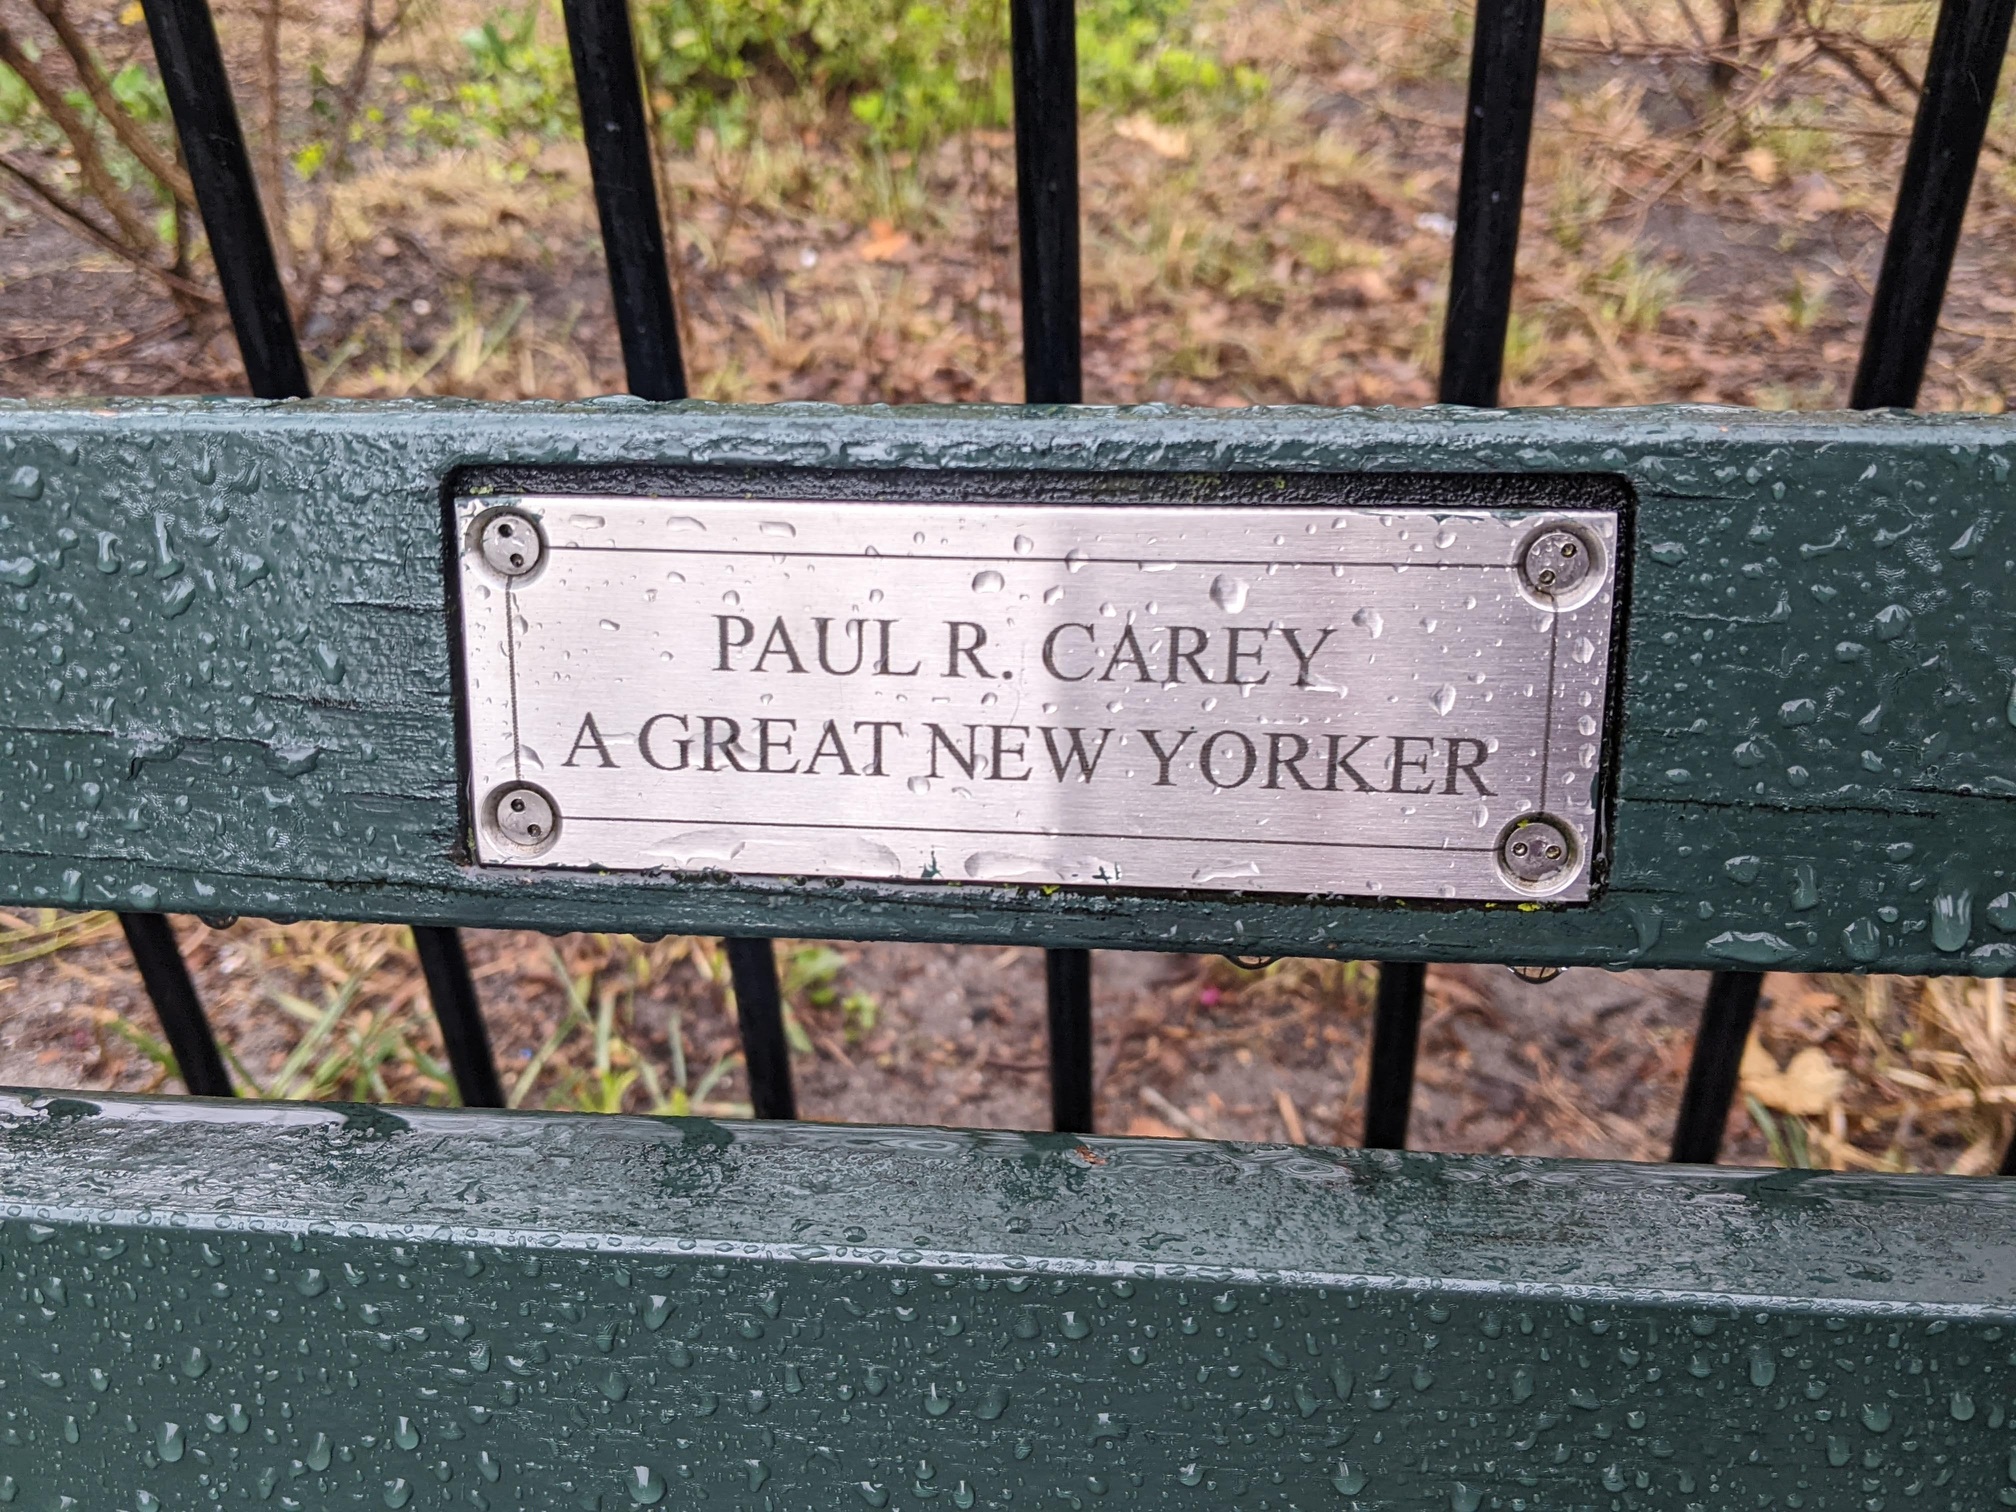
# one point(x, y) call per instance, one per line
point(1807, 1086)
point(885, 243)
point(1164, 141)
point(1761, 164)
point(1146, 1126)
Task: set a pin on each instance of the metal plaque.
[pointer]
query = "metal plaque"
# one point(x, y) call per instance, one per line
point(1400, 702)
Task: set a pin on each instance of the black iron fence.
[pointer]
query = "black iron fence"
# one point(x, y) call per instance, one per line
point(1961, 76)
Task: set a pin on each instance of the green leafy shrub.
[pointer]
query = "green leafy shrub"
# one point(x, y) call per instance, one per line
point(909, 72)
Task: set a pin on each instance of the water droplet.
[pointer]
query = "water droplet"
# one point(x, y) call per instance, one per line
point(1074, 1327)
point(1892, 621)
point(1445, 698)
point(782, 528)
point(1962, 1407)
point(614, 1386)
point(1876, 1416)
point(936, 1403)
point(992, 1404)
point(1952, 919)
point(194, 1362)
point(874, 1495)
point(1054, 594)
point(169, 1443)
point(656, 1314)
point(1229, 593)
point(1023, 545)
point(398, 1492)
point(1370, 619)
point(405, 1435)
point(1467, 1498)
point(1190, 1474)
point(962, 1496)
point(1763, 1369)
point(987, 580)
point(1076, 558)
point(647, 1486)
point(1349, 1479)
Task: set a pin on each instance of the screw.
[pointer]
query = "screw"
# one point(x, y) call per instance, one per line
point(1539, 976)
point(1536, 850)
point(1555, 562)
point(511, 543)
point(524, 818)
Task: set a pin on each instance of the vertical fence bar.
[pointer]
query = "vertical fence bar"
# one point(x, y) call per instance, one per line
point(1961, 73)
point(1396, 1036)
point(623, 163)
point(1068, 977)
point(759, 1014)
point(166, 977)
point(624, 167)
point(453, 992)
point(1711, 1073)
point(1490, 190)
point(1043, 43)
point(227, 195)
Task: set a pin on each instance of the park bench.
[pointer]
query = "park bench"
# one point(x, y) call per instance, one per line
point(1708, 688)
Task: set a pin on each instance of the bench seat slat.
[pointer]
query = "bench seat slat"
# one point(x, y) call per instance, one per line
point(567, 1310)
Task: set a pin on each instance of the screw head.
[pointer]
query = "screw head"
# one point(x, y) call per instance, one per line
point(1556, 562)
point(523, 817)
point(511, 543)
point(1536, 850)
point(1537, 975)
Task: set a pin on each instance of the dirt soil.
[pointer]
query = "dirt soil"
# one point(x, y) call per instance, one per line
point(1587, 1065)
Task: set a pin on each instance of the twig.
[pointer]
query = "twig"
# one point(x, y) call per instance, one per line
point(271, 160)
point(1175, 1115)
point(83, 142)
point(1291, 1120)
point(40, 197)
point(349, 100)
point(131, 136)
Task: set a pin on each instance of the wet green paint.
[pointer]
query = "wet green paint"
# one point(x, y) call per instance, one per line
point(325, 1307)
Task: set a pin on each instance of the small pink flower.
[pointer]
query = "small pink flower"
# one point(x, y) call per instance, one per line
point(1209, 996)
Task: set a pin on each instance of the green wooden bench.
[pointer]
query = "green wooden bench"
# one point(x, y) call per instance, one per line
point(289, 658)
